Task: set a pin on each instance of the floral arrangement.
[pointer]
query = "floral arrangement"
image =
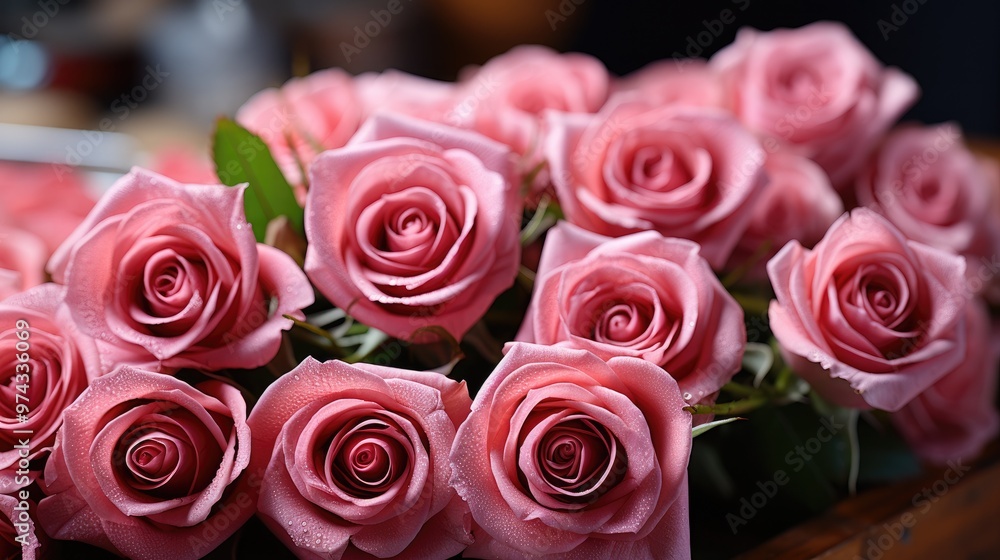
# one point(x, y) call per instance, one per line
point(407, 318)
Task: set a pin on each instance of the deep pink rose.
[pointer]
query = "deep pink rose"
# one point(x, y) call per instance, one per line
point(46, 200)
point(304, 117)
point(413, 224)
point(929, 185)
point(46, 365)
point(798, 203)
point(956, 417)
point(149, 467)
point(685, 172)
point(642, 295)
point(675, 82)
point(22, 260)
point(406, 94)
point(505, 98)
point(19, 537)
point(868, 317)
point(170, 274)
point(566, 456)
point(815, 89)
point(354, 461)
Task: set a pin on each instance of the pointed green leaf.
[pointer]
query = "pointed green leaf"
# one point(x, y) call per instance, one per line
point(758, 360)
point(698, 430)
point(242, 157)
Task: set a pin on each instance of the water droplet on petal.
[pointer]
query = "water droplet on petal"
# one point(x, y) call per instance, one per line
point(687, 396)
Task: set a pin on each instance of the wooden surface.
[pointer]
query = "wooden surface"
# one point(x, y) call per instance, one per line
point(926, 518)
point(947, 520)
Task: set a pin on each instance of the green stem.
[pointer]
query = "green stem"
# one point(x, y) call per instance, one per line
point(526, 277)
point(752, 305)
point(783, 380)
point(740, 271)
point(540, 221)
point(741, 390)
point(852, 438)
point(731, 408)
point(480, 338)
point(321, 333)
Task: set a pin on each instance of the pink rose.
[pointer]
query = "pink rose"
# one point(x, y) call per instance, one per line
point(413, 224)
point(184, 166)
point(149, 467)
point(45, 200)
point(815, 89)
point(566, 456)
point(14, 541)
point(398, 92)
point(927, 183)
point(956, 417)
point(675, 82)
point(354, 461)
point(642, 295)
point(46, 365)
point(682, 171)
point(868, 318)
point(22, 261)
point(170, 274)
point(798, 203)
point(505, 98)
point(306, 116)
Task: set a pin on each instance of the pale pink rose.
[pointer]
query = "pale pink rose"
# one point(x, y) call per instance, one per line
point(184, 166)
point(675, 82)
point(19, 536)
point(149, 467)
point(46, 365)
point(412, 225)
point(956, 417)
point(798, 203)
point(505, 98)
point(22, 260)
point(353, 461)
point(393, 91)
point(170, 276)
point(45, 200)
point(685, 172)
point(304, 117)
point(929, 185)
point(816, 90)
point(567, 456)
point(642, 295)
point(868, 317)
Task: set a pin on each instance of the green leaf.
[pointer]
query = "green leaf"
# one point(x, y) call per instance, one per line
point(758, 360)
point(242, 157)
point(698, 430)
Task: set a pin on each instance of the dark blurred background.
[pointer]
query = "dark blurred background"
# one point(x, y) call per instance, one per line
point(70, 63)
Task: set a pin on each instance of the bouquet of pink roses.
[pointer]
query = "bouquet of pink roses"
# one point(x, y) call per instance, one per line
point(416, 319)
